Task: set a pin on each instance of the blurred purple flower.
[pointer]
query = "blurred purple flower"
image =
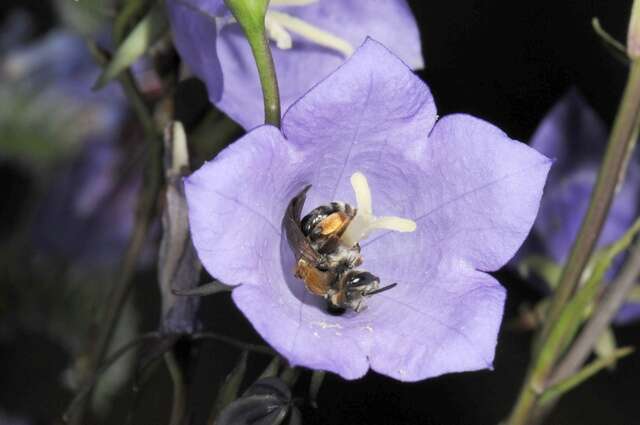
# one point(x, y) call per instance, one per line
point(575, 137)
point(86, 214)
point(473, 192)
point(216, 51)
point(49, 84)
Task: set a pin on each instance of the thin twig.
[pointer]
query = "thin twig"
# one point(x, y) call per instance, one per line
point(235, 343)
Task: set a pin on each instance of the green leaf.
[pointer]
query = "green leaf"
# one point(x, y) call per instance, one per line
point(149, 30)
point(555, 391)
point(272, 368)
point(543, 267)
point(229, 390)
point(290, 375)
point(126, 16)
point(317, 378)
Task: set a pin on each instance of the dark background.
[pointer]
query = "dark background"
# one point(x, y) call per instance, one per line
point(503, 60)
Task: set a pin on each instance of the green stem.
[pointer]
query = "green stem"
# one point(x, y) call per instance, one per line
point(250, 14)
point(547, 351)
point(614, 296)
point(601, 198)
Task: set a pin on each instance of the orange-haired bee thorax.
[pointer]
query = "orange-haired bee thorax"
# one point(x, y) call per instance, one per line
point(334, 224)
point(317, 282)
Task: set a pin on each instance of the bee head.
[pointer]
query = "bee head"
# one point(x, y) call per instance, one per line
point(361, 282)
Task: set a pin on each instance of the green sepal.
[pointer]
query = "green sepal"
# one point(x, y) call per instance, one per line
point(606, 346)
point(229, 390)
point(149, 30)
point(250, 14)
point(555, 391)
point(542, 267)
point(317, 378)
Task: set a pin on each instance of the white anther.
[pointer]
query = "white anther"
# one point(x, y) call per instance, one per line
point(310, 32)
point(365, 222)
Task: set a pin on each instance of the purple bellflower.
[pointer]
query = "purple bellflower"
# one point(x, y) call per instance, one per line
point(311, 38)
point(472, 193)
point(575, 137)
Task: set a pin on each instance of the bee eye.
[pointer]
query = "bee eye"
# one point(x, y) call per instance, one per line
point(361, 279)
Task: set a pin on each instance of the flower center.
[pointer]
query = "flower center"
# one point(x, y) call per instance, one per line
point(364, 221)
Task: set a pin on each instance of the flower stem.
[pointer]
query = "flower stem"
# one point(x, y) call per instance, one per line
point(601, 198)
point(547, 352)
point(251, 14)
point(615, 294)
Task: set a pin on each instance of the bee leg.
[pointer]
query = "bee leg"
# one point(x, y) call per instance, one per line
point(360, 306)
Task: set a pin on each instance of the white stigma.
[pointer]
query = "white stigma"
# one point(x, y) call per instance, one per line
point(365, 222)
point(279, 24)
point(277, 32)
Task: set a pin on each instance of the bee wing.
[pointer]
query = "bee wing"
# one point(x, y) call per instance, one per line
point(291, 223)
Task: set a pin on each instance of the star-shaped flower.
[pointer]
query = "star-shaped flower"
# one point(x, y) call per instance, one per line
point(472, 192)
point(311, 39)
point(575, 137)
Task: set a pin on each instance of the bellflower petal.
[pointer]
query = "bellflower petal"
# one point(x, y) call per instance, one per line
point(473, 192)
point(575, 137)
point(233, 82)
point(195, 33)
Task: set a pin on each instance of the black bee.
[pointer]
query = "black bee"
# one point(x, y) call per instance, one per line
point(323, 262)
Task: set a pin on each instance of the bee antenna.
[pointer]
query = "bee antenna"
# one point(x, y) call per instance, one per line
point(384, 288)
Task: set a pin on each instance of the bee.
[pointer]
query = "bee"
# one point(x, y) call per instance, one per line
point(323, 262)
